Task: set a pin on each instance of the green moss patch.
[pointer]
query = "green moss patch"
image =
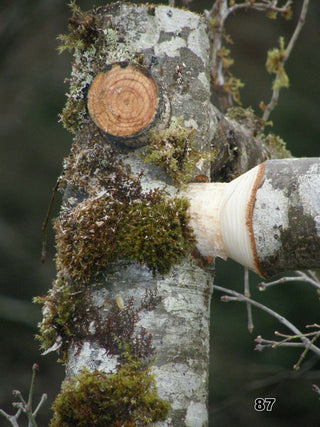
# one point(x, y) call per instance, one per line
point(69, 317)
point(67, 314)
point(95, 44)
point(150, 229)
point(173, 150)
point(276, 147)
point(126, 398)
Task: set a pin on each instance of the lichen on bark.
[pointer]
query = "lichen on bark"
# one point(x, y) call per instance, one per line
point(123, 232)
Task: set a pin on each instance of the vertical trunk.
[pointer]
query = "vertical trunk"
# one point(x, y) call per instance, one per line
point(123, 241)
point(129, 299)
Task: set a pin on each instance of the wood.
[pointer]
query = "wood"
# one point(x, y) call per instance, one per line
point(267, 219)
point(123, 103)
point(174, 47)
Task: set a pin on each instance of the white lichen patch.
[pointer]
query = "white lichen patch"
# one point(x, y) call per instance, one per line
point(176, 382)
point(173, 20)
point(197, 415)
point(92, 357)
point(198, 43)
point(170, 48)
point(191, 123)
point(309, 193)
point(182, 305)
point(151, 176)
point(203, 78)
point(270, 218)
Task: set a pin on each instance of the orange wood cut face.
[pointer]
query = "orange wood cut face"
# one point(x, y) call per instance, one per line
point(122, 101)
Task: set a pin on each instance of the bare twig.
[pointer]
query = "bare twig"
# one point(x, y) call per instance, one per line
point(11, 418)
point(260, 7)
point(41, 402)
point(24, 406)
point(275, 94)
point(239, 297)
point(247, 294)
point(220, 11)
point(307, 277)
point(216, 18)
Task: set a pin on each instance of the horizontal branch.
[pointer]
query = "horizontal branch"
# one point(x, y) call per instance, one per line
point(268, 219)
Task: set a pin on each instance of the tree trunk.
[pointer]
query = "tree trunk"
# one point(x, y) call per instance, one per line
point(129, 299)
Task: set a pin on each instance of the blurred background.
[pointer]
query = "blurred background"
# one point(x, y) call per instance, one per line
point(32, 147)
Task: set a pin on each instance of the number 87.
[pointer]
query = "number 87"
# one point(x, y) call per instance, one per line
point(264, 403)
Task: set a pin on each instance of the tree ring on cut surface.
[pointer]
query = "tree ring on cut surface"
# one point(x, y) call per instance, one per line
point(126, 103)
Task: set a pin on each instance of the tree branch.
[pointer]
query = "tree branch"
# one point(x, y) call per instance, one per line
point(305, 342)
point(25, 407)
point(275, 94)
point(262, 217)
point(300, 276)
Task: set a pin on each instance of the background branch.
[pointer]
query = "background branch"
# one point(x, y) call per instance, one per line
point(239, 297)
point(275, 94)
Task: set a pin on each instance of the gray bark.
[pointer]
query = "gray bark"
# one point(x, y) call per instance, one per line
point(175, 47)
point(286, 216)
point(179, 325)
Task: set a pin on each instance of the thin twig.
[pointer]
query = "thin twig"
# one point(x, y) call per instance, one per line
point(294, 337)
point(32, 421)
point(303, 354)
point(308, 277)
point(298, 28)
point(46, 220)
point(239, 297)
point(263, 343)
point(42, 400)
point(247, 294)
point(275, 94)
point(11, 418)
point(300, 277)
point(24, 406)
point(260, 7)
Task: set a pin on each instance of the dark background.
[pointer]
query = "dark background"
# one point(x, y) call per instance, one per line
point(33, 145)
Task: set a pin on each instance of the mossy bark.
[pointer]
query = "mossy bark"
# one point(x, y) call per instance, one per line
point(102, 180)
point(155, 302)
